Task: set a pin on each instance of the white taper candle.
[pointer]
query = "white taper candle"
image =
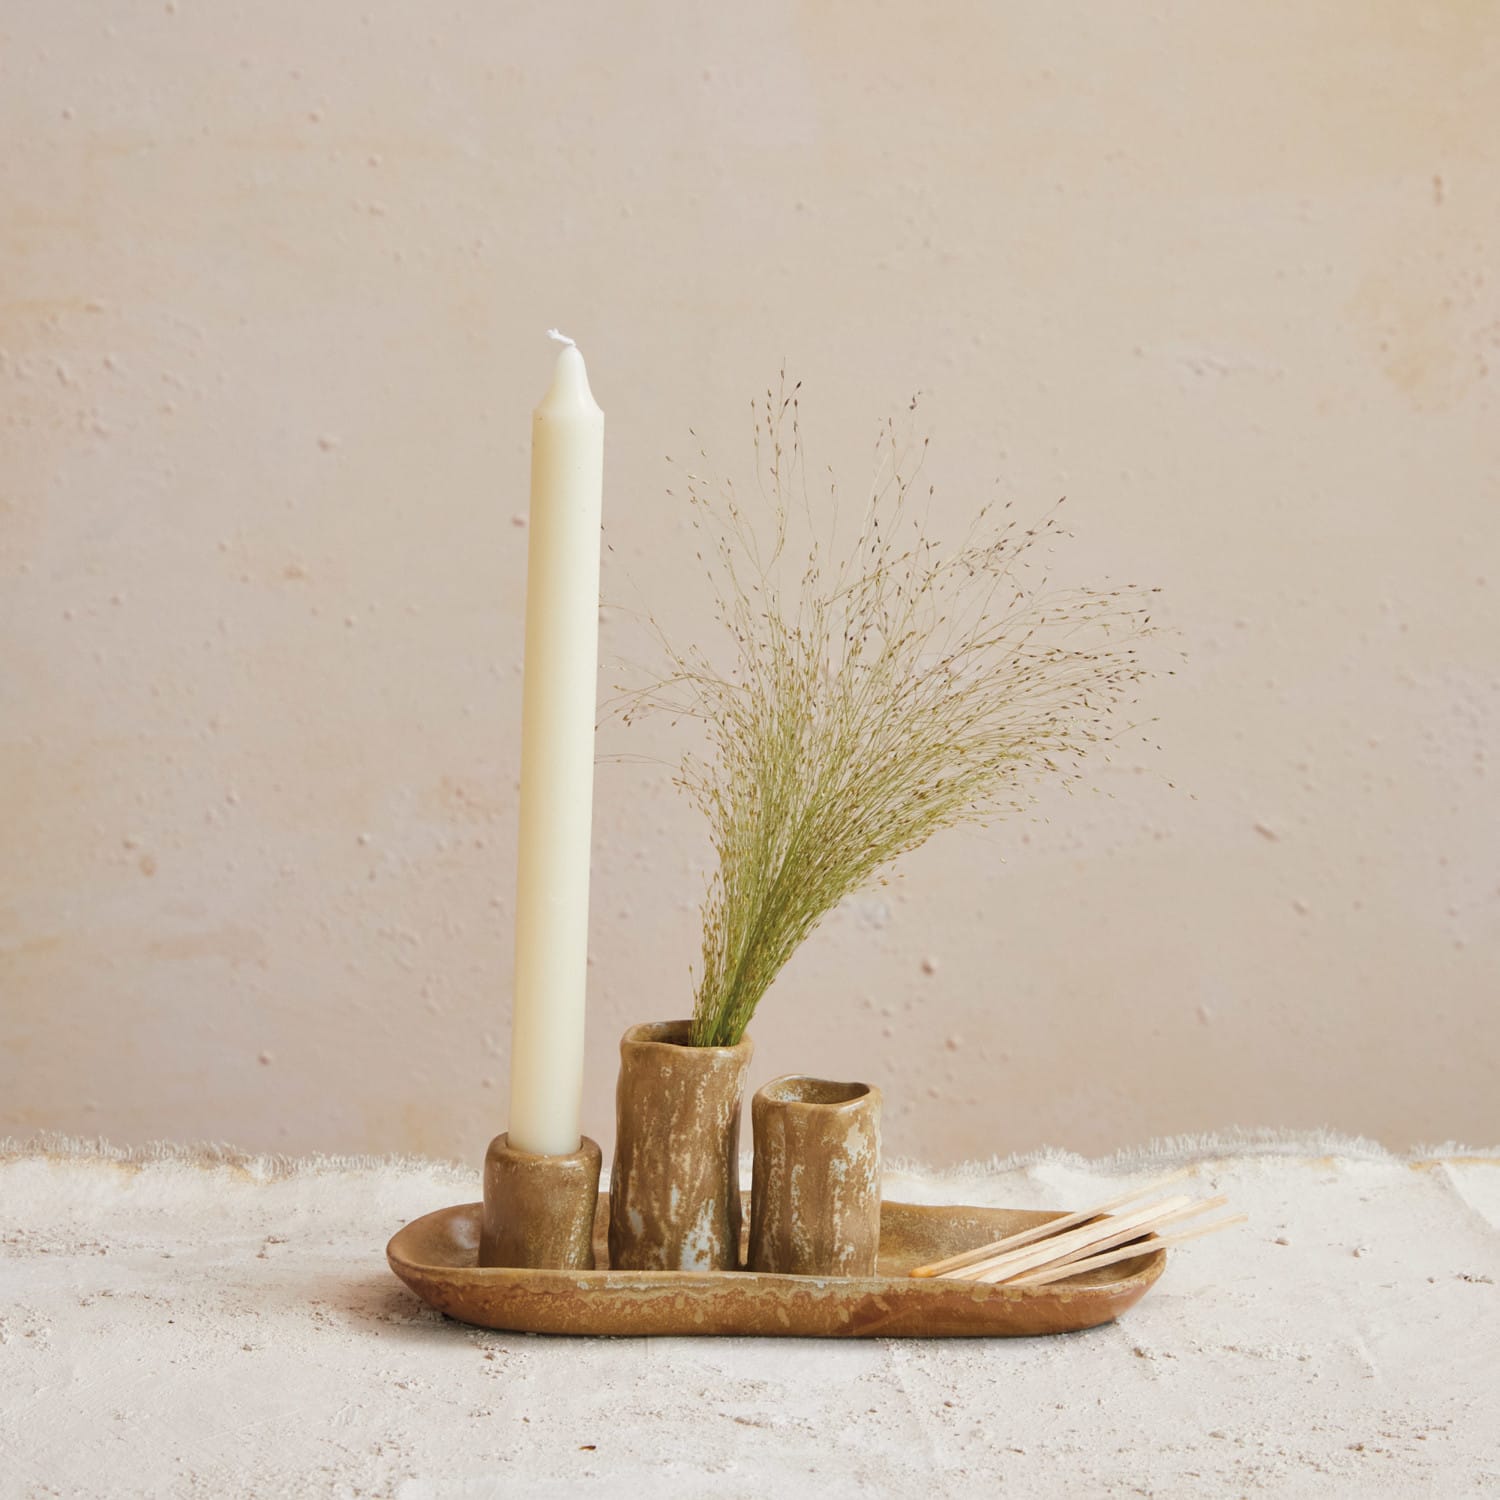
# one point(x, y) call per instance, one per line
point(557, 762)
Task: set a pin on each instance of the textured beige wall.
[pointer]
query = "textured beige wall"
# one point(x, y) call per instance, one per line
point(272, 286)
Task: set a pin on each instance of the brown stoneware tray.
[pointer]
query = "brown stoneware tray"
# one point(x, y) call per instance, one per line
point(437, 1255)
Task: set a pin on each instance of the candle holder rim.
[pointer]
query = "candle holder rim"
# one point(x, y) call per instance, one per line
point(676, 1035)
point(503, 1145)
point(852, 1095)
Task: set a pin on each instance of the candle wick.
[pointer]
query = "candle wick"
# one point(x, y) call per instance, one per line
point(561, 338)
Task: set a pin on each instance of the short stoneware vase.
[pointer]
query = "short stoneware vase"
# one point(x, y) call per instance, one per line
point(674, 1189)
point(539, 1210)
point(815, 1199)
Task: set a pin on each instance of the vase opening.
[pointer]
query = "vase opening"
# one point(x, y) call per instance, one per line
point(824, 1091)
point(673, 1034)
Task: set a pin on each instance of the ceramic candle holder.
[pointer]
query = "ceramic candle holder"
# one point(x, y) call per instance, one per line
point(815, 1203)
point(539, 1210)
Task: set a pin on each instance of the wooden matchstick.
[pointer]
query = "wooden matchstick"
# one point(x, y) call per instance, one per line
point(1108, 1242)
point(1044, 1231)
point(1127, 1252)
point(1100, 1235)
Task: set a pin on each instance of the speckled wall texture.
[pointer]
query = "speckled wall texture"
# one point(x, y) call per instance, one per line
point(273, 281)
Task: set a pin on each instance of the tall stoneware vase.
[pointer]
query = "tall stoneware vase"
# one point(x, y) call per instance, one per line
point(674, 1189)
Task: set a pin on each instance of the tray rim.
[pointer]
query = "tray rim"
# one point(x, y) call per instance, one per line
point(443, 1285)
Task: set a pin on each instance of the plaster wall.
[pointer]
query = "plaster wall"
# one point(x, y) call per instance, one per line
point(273, 281)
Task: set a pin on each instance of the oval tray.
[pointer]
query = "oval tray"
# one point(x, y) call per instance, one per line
point(436, 1257)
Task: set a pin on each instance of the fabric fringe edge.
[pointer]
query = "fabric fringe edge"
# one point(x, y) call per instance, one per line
point(1156, 1155)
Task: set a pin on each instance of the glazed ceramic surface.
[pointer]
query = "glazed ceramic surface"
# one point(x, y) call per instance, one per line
point(676, 1178)
point(437, 1255)
point(539, 1210)
point(815, 1208)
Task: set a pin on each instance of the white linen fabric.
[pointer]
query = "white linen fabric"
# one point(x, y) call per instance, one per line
point(184, 1321)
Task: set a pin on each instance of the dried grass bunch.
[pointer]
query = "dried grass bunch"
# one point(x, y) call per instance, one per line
point(893, 689)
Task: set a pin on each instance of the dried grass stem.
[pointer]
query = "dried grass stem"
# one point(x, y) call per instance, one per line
point(899, 691)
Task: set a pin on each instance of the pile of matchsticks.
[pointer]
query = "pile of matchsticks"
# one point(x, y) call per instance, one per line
point(1076, 1243)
